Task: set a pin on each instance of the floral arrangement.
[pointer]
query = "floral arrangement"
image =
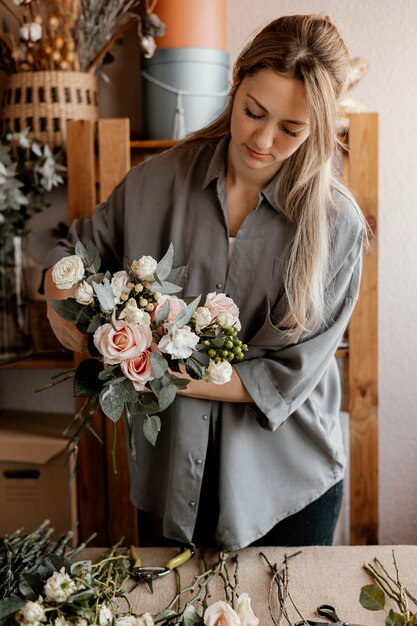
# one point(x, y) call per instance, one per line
point(145, 336)
point(42, 585)
point(28, 170)
point(64, 35)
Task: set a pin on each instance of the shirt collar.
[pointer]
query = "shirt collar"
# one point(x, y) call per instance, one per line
point(217, 169)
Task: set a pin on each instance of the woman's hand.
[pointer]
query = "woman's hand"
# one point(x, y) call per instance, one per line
point(66, 332)
point(233, 391)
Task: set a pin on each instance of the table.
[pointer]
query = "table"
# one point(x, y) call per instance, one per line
point(331, 575)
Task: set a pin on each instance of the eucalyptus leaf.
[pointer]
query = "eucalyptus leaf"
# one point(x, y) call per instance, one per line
point(94, 324)
point(80, 249)
point(164, 615)
point(191, 617)
point(186, 314)
point(149, 407)
point(151, 428)
point(92, 258)
point(372, 598)
point(394, 619)
point(182, 383)
point(97, 278)
point(10, 605)
point(163, 269)
point(105, 295)
point(194, 368)
point(166, 396)
point(163, 313)
point(30, 585)
point(166, 287)
point(112, 402)
point(68, 309)
point(107, 373)
point(86, 380)
point(81, 596)
point(155, 385)
point(219, 342)
point(159, 364)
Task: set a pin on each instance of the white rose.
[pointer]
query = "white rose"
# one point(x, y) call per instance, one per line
point(219, 373)
point(59, 586)
point(144, 268)
point(221, 614)
point(105, 616)
point(68, 272)
point(119, 286)
point(61, 621)
point(135, 620)
point(32, 613)
point(178, 342)
point(132, 314)
point(202, 317)
point(226, 319)
point(84, 293)
point(244, 610)
point(80, 621)
point(31, 31)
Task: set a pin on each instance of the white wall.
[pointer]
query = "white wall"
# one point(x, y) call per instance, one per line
point(383, 32)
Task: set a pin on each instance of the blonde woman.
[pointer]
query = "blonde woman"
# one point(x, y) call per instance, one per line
point(253, 210)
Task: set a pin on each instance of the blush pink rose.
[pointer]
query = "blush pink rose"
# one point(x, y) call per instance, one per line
point(224, 309)
point(126, 341)
point(138, 370)
point(176, 305)
point(221, 614)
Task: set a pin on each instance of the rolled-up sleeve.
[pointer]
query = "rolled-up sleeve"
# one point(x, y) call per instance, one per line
point(281, 376)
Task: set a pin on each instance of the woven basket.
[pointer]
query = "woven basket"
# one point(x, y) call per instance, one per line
point(45, 101)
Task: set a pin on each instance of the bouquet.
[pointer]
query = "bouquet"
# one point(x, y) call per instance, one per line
point(144, 336)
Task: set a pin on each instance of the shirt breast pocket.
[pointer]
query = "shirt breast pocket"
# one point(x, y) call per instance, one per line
point(269, 336)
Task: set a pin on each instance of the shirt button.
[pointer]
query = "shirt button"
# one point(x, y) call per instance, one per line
point(192, 503)
point(219, 286)
point(205, 417)
point(199, 461)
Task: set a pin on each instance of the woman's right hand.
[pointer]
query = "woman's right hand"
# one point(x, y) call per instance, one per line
point(66, 332)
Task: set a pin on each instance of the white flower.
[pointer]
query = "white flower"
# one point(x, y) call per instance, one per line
point(61, 621)
point(135, 620)
point(31, 31)
point(226, 319)
point(219, 373)
point(32, 613)
point(105, 616)
point(68, 272)
point(144, 268)
point(244, 610)
point(84, 293)
point(132, 314)
point(202, 317)
point(119, 286)
point(178, 342)
point(80, 621)
point(59, 586)
point(221, 614)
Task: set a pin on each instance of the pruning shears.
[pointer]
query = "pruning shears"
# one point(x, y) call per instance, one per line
point(326, 610)
point(148, 574)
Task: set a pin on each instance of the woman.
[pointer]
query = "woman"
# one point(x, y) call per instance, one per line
point(252, 209)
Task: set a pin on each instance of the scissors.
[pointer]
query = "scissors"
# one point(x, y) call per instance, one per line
point(326, 610)
point(148, 574)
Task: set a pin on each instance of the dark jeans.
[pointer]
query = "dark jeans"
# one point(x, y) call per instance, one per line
point(312, 526)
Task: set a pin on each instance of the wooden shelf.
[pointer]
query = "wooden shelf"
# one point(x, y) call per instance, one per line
point(49, 360)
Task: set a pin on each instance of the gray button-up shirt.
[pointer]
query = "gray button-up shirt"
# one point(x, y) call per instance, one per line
point(284, 450)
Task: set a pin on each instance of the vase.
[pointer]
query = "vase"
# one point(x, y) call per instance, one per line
point(15, 342)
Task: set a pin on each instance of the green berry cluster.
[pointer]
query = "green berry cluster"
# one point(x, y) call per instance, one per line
point(225, 347)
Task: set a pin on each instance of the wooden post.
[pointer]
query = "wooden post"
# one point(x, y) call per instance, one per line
point(362, 178)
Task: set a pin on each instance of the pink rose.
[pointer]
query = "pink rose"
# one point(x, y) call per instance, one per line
point(223, 309)
point(138, 370)
point(126, 342)
point(176, 305)
point(221, 614)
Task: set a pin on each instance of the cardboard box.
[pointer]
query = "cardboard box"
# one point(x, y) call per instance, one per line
point(34, 479)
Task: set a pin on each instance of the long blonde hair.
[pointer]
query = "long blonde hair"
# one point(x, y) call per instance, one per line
point(310, 49)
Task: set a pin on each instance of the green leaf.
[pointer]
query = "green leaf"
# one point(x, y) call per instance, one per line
point(107, 373)
point(105, 295)
point(186, 314)
point(149, 407)
point(194, 368)
point(180, 382)
point(86, 380)
point(166, 396)
point(166, 287)
point(155, 385)
point(94, 324)
point(80, 249)
point(219, 342)
point(372, 598)
point(151, 428)
point(173, 364)
point(394, 619)
point(163, 269)
point(164, 615)
point(163, 313)
point(112, 401)
point(10, 605)
point(30, 586)
point(159, 364)
point(68, 309)
point(191, 617)
point(81, 596)
point(96, 278)
point(92, 260)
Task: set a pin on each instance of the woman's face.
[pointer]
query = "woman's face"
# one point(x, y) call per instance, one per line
point(270, 121)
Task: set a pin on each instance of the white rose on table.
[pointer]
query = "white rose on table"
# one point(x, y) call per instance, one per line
point(221, 614)
point(119, 286)
point(144, 268)
point(105, 615)
point(32, 613)
point(135, 620)
point(219, 373)
point(178, 342)
point(244, 610)
point(202, 317)
point(67, 272)
point(59, 586)
point(132, 314)
point(84, 293)
point(224, 309)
